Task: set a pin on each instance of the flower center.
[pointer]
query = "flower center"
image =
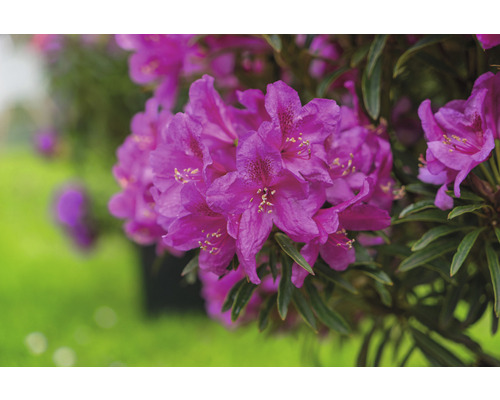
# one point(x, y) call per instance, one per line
point(343, 168)
point(187, 175)
point(298, 147)
point(213, 242)
point(265, 204)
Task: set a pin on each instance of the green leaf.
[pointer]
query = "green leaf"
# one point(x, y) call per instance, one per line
point(463, 250)
point(420, 188)
point(422, 43)
point(333, 276)
point(228, 303)
point(263, 319)
point(384, 294)
point(376, 49)
point(464, 209)
point(433, 350)
point(464, 195)
point(304, 309)
point(287, 245)
point(362, 358)
point(416, 207)
point(494, 266)
point(242, 298)
point(494, 323)
point(433, 234)
point(329, 317)
point(274, 41)
point(285, 287)
point(407, 356)
point(328, 81)
point(430, 253)
point(381, 347)
point(425, 216)
point(449, 305)
point(359, 55)
point(497, 234)
point(272, 263)
point(191, 266)
point(374, 272)
point(370, 86)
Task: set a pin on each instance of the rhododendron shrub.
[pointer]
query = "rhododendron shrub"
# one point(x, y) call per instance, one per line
point(340, 181)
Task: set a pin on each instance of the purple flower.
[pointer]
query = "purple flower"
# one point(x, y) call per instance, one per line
point(300, 132)
point(488, 41)
point(333, 243)
point(163, 59)
point(215, 289)
point(359, 151)
point(202, 228)
point(458, 140)
point(46, 142)
point(133, 172)
point(71, 208)
point(263, 192)
point(490, 82)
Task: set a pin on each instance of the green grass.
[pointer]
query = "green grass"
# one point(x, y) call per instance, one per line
point(47, 286)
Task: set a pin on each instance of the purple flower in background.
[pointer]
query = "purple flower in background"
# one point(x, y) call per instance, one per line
point(488, 41)
point(72, 212)
point(46, 142)
point(458, 139)
point(162, 59)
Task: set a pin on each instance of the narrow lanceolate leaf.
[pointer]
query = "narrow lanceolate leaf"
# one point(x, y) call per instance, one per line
point(272, 263)
point(464, 209)
point(359, 55)
point(465, 195)
point(304, 309)
point(285, 287)
point(274, 41)
point(335, 277)
point(384, 294)
point(422, 43)
point(376, 49)
point(329, 317)
point(494, 266)
point(375, 273)
point(497, 234)
point(263, 319)
point(450, 304)
point(370, 85)
point(430, 253)
point(433, 234)
point(463, 250)
point(228, 303)
point(190, 267)
point(416, 207)
point(328, 81)
point(287, 245)
point(433, 350)
point(426, 216)
point(242, 298)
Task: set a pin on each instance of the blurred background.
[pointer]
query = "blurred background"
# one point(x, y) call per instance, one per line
point(74, 291)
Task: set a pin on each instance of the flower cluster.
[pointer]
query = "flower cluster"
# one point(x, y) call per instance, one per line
point(165, 59)
point(134, 175)
point(223, 178)
point(72, 212)
point(460, 136)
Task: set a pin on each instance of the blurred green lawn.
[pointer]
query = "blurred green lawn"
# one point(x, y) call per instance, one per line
point(48, 287)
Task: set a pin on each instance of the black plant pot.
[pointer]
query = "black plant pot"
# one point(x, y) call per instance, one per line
point(164, 287)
